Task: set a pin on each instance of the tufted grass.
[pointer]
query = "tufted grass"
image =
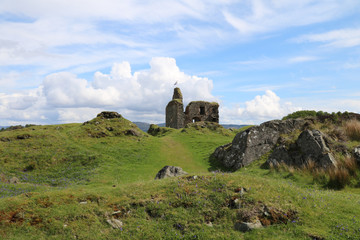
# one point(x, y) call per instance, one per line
point(352, 129)
point(115, 174)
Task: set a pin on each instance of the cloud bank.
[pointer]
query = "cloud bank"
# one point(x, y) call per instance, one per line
point(140, 96)
point(261, 108)
point(64, 97)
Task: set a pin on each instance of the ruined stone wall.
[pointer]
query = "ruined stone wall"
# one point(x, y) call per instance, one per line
point(195, 112)
point(201, 111)
point(175, 111)
point(175, 114)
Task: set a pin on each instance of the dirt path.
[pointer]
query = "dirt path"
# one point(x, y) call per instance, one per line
point(175, 154)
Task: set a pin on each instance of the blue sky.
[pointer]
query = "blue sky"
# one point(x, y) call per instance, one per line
point(66, 61)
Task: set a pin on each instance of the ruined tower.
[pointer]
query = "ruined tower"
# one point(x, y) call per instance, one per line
point(175, 111)
point(196, 111)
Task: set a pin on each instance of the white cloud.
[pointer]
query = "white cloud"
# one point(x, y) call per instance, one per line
point(341, 38)
point(261, 108)
point(352, 65)
point(300, 59)
point(64, 97)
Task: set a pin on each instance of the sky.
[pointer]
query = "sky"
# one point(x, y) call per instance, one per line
point(65, 61)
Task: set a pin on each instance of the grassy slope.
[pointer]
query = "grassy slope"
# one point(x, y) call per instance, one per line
point(66, 168)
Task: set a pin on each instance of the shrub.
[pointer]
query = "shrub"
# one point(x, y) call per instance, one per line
point(352, 129)
point(300, 114)
point(339, 178)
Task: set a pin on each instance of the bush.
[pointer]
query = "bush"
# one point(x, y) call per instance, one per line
point(352, 129)
point(300, 114)
point(339, 178)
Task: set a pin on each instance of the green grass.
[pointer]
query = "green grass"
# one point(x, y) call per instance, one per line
point(75, 177)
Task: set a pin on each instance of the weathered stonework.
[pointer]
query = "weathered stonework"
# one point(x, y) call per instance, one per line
point(175, 111)
point(195, 112)
point(201, 111)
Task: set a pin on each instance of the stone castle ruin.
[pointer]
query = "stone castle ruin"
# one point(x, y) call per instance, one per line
point(195, 111)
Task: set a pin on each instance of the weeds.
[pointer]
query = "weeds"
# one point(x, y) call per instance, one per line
point(352, 129)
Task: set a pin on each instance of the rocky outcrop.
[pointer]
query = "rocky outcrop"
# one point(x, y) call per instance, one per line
point(311, 146)
point(132, 132)
point(23, 136)
point(109, 115)
point(155, 130)
point(254, 142)
point(170, 171)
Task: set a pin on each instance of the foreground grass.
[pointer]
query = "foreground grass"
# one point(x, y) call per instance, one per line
point(73, 183)
point(181, 208)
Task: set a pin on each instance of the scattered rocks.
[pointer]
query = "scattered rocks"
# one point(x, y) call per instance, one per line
point(109, 115)
point(257, 215)
point(311, 145)
point(170, 171)
point(254, 142)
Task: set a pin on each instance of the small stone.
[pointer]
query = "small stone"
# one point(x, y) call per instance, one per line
point(115, 223)
point(246, 226)
point(209, 224)
point(14, 180)
point(357, 154)
point(83, 202)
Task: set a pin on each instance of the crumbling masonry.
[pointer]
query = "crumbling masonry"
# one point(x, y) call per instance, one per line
point(195, 112)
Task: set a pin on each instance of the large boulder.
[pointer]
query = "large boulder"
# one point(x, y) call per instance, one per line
point(254, 142)
point(311, 145)
point(170, 171)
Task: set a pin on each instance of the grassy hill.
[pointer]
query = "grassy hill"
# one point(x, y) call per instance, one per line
point(76, 179)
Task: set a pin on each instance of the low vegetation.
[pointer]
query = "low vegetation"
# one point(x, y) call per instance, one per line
point(96, 181)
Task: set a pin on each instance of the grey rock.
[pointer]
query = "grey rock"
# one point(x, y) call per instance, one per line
point(357, 154)
point(247, 226)
point(170, 171)
point(311, 145)
point(252, 143)
point(109, 115)
point(14, 180)
point(23, 136)
point(115, 223)
point(132, 132)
